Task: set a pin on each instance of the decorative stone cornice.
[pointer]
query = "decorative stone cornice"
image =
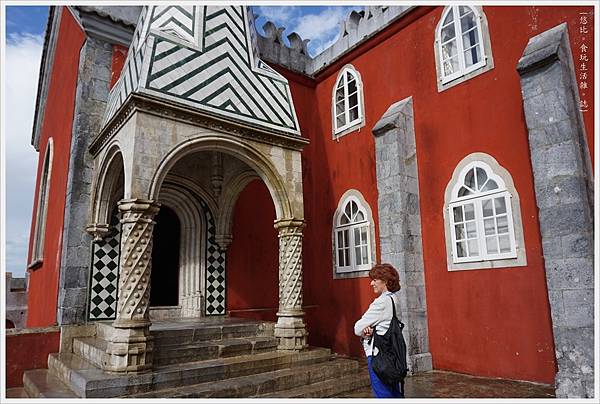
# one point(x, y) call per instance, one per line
point(98, 230)
point(136, 102)
point(106, 25)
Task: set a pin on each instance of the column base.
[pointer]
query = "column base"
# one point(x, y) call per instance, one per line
point(129, 349)
point(420, 363)
point(291, 333)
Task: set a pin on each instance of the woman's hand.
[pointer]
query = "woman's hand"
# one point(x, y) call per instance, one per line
point(367, 332)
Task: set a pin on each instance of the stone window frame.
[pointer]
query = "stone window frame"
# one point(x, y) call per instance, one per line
point(487, 62)
point(362, 271)
point(360, 121)
point(37, 249)
point(518, 259)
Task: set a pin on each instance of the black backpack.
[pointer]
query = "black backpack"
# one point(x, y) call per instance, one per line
point(390, 362)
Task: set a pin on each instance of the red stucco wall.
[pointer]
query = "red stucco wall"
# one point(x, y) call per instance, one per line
point(119, 55)
point(486, 322)
point(28, 349)
point(252, 257)
point(58, 120)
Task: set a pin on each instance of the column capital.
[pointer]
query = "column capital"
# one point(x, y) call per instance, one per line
point(137, 205)
point(97, 230)
point(282, 224)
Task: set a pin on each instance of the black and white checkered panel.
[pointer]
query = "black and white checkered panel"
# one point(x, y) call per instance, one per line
point(215, 270)
point(104, 278)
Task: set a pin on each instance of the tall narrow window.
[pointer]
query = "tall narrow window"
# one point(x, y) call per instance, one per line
point(347, 101)
point(42, 208)
point(462, 42)
point(352, 236)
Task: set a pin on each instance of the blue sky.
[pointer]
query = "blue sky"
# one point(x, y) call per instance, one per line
point(25, 26)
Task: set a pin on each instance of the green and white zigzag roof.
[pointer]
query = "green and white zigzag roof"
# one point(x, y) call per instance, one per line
point(204, 57)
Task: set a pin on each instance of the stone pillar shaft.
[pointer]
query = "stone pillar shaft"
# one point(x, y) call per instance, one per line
point(290, 327)
point(130, 345)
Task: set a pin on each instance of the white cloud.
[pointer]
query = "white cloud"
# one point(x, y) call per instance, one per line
point(279, 14)
point(23, 54)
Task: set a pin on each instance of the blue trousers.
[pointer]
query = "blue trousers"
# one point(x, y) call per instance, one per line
point(380, 389)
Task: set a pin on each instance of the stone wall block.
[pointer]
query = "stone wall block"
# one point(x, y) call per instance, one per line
point(578, 245)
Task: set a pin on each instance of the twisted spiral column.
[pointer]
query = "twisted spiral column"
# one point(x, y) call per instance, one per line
point(130, 343)
point(290, 328)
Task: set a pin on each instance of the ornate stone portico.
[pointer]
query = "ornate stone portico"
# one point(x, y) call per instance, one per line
point(190, 138)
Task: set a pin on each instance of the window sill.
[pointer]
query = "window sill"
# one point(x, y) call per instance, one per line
point(348, 130)
point(37, 264)
point(359, 273)
point(519, 261)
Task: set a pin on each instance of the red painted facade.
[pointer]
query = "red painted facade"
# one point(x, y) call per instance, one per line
point(28, 350)
point(57, 124)
point(485, 322)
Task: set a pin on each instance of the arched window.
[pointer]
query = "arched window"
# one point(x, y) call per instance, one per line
point(481, 217)
point(347, 101)
point(352, 235)
point(42, 208)
point(462, 43)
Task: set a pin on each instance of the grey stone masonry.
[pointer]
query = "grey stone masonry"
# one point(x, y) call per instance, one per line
point(564, 194)
point(400, 223)
point(92, 92)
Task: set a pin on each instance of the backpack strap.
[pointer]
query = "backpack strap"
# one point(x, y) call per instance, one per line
point(393, 305)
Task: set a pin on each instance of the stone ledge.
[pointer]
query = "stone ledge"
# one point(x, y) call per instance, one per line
point(542, 49)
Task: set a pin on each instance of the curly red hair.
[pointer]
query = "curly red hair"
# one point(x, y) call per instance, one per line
point(388, 274)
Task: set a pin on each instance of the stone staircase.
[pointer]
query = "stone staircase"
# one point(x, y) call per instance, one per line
point(211, 357)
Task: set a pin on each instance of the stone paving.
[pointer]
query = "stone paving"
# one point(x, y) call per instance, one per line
point(440, 384)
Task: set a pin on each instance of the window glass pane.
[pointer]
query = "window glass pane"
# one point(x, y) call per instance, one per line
point(351, 86)
point(358, 254)
point(339, 95)
point(353, 101)
point(488, 210)
point(491, 245)
point(464, 191)
point(473, 248)
point(470, 178)
point(364, 255)
point(339, 108)
point(356, 237)
point(491, 184)
point(458, 214)
point(341, 120)
point(481, 177)
point(504, 243)
point(459, 230)
point(347, 256)
point(464, 10)
point(354, 209)
point(461, 250)
point(348, 210)
point(346, 238)
point(341, 84)
point(469, 211)
point(471, 230)
point(448, 33)
point(467, 21)
point(472, 56)
point(489, 226)
point(344, 219)
point(360, 217)
point(470, 39)
point(449, 50)
point(353, 114)
point(363, 235)
point(450, 66)
point(502, 224)
point(500, 205)
point(340, 240)
point(449, 18)
point(341, 256)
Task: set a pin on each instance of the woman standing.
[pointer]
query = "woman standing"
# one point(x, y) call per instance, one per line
point(385, 282)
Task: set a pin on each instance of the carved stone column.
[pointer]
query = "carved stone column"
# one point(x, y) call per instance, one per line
point(290, 328)
point(130, 344)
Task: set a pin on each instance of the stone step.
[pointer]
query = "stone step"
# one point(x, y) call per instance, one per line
point(170, 354)
point(91, 349)
point(259, 384)
point(40, 383)
point(210, 332)
point(87, 380)
point(326, 388)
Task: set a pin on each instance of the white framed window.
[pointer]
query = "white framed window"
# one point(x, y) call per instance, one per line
point(483, 230)
point(42, 208)
point(353, 235)
point(347, 105)
point(462, 44)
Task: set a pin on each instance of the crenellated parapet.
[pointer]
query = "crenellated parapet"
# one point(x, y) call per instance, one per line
point(355, 29)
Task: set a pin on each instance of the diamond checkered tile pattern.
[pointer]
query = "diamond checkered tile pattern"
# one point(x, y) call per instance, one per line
point(215, 270)
point(104, 278)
